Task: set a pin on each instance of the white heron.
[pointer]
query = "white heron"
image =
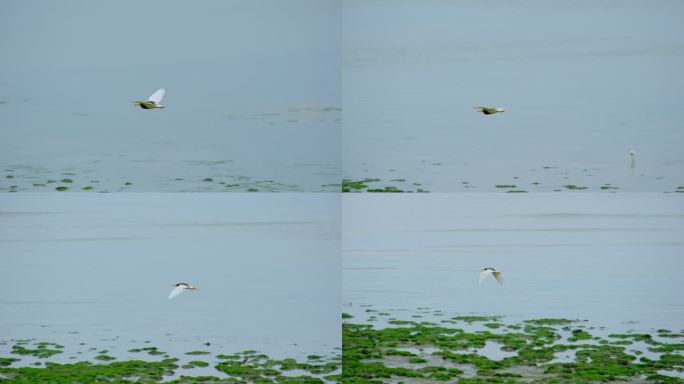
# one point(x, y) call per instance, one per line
point(180, 288)
point(632, 163)
point(490, 271)
point(153, 102)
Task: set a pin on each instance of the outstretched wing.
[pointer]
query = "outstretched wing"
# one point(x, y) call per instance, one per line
point(483, 276)
point(497, 276)
point(176, 291)
point(157, 96)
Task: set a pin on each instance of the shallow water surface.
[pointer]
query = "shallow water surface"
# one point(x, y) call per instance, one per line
point(247, 106)
point(582, 82)
point(97, 269)
point(611, 259)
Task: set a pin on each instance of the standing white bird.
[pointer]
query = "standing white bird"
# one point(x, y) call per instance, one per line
point(632, 163)
point(179, 288)
point(490, 271)
point(489, 110)
point(153, 102)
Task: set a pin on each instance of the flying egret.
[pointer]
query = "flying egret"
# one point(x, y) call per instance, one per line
point(153, 102)
point(490, 271)
point(179, 288)
point(489, 110)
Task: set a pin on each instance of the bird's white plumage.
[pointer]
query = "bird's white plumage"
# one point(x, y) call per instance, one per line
point(490, 271)
point(176, 291)
point(483, 276)
point(157, 96)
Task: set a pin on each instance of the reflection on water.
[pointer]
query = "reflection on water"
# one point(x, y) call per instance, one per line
point(94, 271)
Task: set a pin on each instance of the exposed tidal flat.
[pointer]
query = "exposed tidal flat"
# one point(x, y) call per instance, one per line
point(88, 277)
point(431, 346)
point(151, 364)
point(591, 288)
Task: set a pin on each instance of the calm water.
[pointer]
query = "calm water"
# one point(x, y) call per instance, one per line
point(582, 82)
point(247, 104)
point(614, 260)
point(97, 269)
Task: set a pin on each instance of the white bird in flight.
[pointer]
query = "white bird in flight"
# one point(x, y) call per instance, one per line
point(489, 110)
point(179, 288)
point(153, 102)
point(490, 271)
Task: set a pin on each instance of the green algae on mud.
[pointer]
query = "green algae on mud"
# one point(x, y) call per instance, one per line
point(244, 367)
point(574, 187)
point(364, 185)
point(43, 349)
point(412, 352)
point(197, 353)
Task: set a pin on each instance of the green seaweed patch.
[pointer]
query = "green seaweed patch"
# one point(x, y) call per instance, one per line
point(608, 187)
point(516, 191)
point(346, 315)
point(506, 186)
point(62, 188)
point(198, 363)
point(41, 352)
point(7, 361)
point(228, 357)
point(351, 185)
point(67, 181)
point(105, 357)
point(207, 179)
point(153, 351)
point(476, 319)
point(198, 353)
point(86, 372)
point(574, 187)
point(550, 321)
point(388, 189)
point(366, 350)
point(579, 334)
point(667, 347)
point(87, 188)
